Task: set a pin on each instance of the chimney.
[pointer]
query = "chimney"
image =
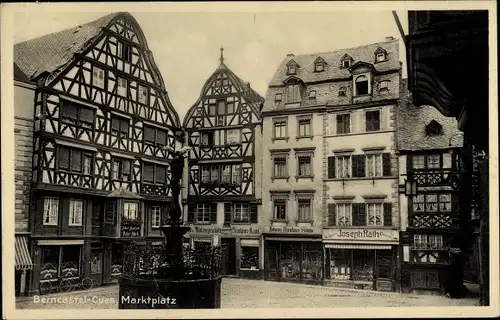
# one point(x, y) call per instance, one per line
point(290, 55)
point(389, 38)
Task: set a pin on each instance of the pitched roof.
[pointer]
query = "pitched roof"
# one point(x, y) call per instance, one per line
point(248, 92)
point(20, 76)
point(123, 193)
point(411, 122)
point(51, 51)
point(333, 59)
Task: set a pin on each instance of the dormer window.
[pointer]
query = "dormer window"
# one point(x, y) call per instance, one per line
point(361, 85)
point(292, 67)
point(346, 61)
point(319, 65)
point(278, 97)
point(434, 128)
point(380, 55)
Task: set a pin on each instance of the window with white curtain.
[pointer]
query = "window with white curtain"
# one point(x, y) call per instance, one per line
point(75, 212)
point(50, 211)
point(344, 214)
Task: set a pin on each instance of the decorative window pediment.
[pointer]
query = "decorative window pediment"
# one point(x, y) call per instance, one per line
point(279, 194)
point(361, 67)
point(292, 67)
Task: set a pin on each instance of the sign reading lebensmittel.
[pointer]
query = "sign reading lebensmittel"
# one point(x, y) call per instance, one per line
point(360, 234)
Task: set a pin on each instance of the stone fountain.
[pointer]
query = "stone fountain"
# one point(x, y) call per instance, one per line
point(172, 276)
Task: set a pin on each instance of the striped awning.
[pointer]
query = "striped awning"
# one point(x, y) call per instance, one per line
point(23, 258)
point(357, 246)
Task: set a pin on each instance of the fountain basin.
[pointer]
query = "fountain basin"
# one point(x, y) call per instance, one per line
point(151, 293)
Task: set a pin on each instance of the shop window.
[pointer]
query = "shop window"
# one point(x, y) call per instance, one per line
point(362, 268)
point(250, 258)
point(50, 211)
point(201, 244)
point(312, 262)
point(49, 270)
point(290, 261)
point(70, 262)
point(116, 259)
point(340, 264)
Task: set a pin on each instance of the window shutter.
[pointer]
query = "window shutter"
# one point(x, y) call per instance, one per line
point(253, 213)
point(361, 165)
point(76, 161)
point(63, 158)
point(361, 214)
point(191, 209)
point(386, 163)
point(331, 167)
point(331, 214)
point(227, 213)
point(354, 161)
point(355, 214)
point(387, 214)
point(213, 212)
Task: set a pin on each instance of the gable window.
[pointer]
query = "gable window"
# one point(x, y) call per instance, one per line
point(280, 129)
point(155, 216)
point(74, 160)
point(343, 123)
point(342, 91)
point(203, 212)
point(207, 139)
point(280, 167)
point(155, 136)
point(434, 128)
point(120, 126)
point(75, 212)
point(343, 168)
point(98, 77)
point(374, 165)
point(372, 120)
point(380, 57)
point(125, 51)
point(361, 84)
point(343, 214)
point(304, 208)
point(233, 136)
point(279, 209)
point(304, 128)
point(122, 87)
point(212, 109)
point(293, 93)
point(384, 86)
point(130, 210)
point(50, 211)
point(121, 169)
point(154, 173)
point(142, 94)
point(304, 166)
point(221, 106)
point(346, 63)
point(429, 161)
point(312, 94)
point(241, 212)
point(77, 114)
point(230, 107)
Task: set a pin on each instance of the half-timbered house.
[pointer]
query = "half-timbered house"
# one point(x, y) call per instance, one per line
point(428, 148)
point(223, 128)
point(101, 119)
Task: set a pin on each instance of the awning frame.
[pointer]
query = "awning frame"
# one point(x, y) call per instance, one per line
point(22, 254)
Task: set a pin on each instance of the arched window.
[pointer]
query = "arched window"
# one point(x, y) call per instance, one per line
point(361, 85)
point(434, 128)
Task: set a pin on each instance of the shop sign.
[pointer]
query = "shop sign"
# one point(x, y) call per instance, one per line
point(243, 230)
point(360, 234)
point(292, 230)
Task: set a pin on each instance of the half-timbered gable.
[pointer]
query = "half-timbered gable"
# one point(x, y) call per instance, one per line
point(107, 96)
point(221, 129)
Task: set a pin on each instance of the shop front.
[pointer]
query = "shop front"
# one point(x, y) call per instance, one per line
point(361, 258)
point(293, 254)
point(241, 248)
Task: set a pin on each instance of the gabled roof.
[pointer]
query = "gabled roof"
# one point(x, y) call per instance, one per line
point(47, 53)
point(123, 193)
point(319, 60)
point(293, 63)
point(380, 50)
point(346, 57)
point(249, 94)
point(20, 76)
point(333, 60)
point(411, 122)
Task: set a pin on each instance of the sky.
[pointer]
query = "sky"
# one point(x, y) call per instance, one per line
point(186, 45)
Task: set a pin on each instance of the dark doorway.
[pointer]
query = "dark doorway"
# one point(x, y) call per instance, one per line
point(17, 283)
point(229, 260)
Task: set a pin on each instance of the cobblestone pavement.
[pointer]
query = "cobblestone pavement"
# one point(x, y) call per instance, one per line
point(240, 293)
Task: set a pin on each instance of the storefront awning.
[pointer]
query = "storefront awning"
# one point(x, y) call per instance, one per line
point(357, 246)
point(23, 258)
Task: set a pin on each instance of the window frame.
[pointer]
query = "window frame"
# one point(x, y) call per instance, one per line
point(380, 54)
point(366, 112)
point(210, 136)
point(284, 161)
point(73, 214)
point(119, 82)
point(145, 90)
point(156, 213)
point(375, 205)
point(426, 161)
point(155, 141)
point(348, 216)
point(319, 66)
point(309, 156)
point(373, 166)
point(277, 204)
point(349, 166)
point(307, 127)
point(238, 135)
point(295, 96)
point(204, 212)
point(438, 203)
point(155, 167)
point(71, 155)
point(96, 80)
point(125, 51)
point(308, 201)
point(357, 82)
point(120, 172)
point(339, 115)
point(244, 219)
point(126, 212)
point(281, 123)
point(65, 105)
point(53, 203)
point(342, 92)
point(343, 63)
point(120, 132)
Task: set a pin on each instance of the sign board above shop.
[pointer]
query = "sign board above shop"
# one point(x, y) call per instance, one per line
point(232, 230)
point(293, 230)
point(360, 235)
